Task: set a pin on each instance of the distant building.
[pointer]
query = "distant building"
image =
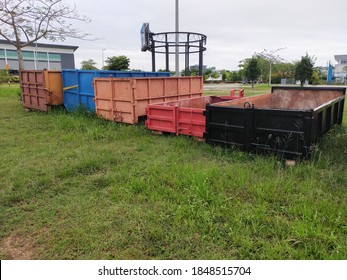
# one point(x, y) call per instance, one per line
point(217, 80)
point(38, 56)
point(196, 67)
point(342, 62)
point(204, 68)
point(340, 74)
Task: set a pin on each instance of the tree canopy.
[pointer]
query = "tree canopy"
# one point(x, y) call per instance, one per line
point(23, 22)
point(252, 70)
point(88, 65)
point(117, 63)
point(304, 69)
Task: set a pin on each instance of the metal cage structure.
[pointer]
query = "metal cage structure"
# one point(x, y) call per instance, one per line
point(185, 42)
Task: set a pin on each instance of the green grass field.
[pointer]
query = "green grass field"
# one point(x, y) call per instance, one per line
point(73, 186)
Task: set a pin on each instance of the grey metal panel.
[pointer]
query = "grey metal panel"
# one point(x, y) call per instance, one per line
point(67, 61)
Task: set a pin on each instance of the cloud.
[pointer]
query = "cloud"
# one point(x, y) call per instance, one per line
point(235, 29)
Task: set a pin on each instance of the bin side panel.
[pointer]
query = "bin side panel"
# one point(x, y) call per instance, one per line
point(34, 95)
point(191, 122)
point(55, 87)
point(196, 84)
point(71, 89)
point(161, 118)
point(225, 126)
point(171, 88)
point(113, 99)
point(282, 132)
point(156, 74)
point(184, 86)
point(190, 115)
point(103, 98)
point(157, 90)
point(183, 116)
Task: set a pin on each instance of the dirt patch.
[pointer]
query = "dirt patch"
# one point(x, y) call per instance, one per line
point(16, 247)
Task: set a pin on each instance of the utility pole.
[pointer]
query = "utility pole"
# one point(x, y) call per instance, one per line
point(35, 52)
point(177, 55)
point(102, 57)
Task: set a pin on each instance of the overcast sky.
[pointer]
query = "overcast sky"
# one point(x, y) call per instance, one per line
point(235, 29)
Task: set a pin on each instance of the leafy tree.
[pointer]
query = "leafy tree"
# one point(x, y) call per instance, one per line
point(236, 76)
point(282, 70)
point(23, 22)
point(88, 65)
point(117, 63)
point(315, 78)
point(190, 72)
point(262, 63)
point(4, 76)
point(278, 75)
point(284, 67)
point(208, 72)
point(226, 75)
point(271, 59)
point(252, 71)
point(304, 69)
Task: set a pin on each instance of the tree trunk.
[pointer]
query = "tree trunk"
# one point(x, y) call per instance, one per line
point(252, 84)
point(20, 59)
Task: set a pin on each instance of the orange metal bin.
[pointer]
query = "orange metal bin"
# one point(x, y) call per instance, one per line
point(41, 89)
point(125, 100)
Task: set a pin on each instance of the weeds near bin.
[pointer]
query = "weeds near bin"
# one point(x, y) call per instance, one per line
point(73, 186)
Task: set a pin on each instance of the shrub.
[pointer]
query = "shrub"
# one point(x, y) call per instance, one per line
point(4, 76)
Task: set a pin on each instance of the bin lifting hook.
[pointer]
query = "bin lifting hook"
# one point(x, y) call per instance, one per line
point(248, 105)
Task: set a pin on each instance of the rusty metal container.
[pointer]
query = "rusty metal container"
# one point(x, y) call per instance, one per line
point(125, 100)
point(41, 89)
point(184, 116)
point(288, 122)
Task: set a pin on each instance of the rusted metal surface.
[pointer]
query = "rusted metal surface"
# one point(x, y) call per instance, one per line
point(125, 100)
point(41, 89)
point(287, 122)
point(288, 99)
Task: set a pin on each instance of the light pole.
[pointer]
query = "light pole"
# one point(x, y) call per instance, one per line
point(35, 52)
point(177, 66)
point(102, 57)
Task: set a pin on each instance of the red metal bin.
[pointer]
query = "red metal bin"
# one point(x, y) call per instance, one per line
point(183, 116)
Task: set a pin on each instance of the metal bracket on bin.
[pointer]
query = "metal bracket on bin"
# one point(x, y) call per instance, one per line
point(248, 105)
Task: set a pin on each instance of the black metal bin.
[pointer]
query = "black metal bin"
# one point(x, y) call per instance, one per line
point(288, 121)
